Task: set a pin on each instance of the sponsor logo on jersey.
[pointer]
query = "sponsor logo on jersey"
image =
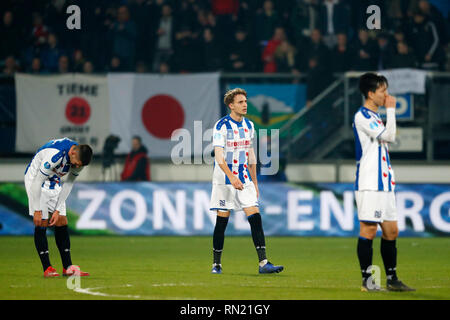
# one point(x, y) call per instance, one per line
point(236, 144)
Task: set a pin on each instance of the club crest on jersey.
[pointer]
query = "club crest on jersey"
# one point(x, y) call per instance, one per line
point(47, 165)
point(230, 134)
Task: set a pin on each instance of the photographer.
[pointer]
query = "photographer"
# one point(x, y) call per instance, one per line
point(109, 171)
point(137, 164)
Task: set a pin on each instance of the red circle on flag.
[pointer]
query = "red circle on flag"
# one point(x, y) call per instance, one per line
point(78, 110)
point(161, 115)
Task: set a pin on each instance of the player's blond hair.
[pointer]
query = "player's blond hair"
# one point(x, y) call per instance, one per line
point(229, 96)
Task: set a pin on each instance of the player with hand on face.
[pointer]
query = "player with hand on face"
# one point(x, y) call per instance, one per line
point(375, 183)
point(234, 184)
point(52, 161)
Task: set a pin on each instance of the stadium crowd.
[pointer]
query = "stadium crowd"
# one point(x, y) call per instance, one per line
point(314, 37)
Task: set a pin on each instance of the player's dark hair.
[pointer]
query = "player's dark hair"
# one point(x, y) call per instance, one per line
point(85, 154)
point(229, 96)
point(370, 82)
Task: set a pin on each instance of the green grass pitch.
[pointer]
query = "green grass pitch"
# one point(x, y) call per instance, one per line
point(179, 268)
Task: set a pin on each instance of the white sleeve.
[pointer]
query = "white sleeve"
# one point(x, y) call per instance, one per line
point(388, 135)
point(369, 125)
point(36, 189)
point(219, 136)
point(67, 187)
point(252, 135)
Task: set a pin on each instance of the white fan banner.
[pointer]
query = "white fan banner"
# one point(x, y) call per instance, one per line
point(405, 80)
point(51, 107)
point(154, 106)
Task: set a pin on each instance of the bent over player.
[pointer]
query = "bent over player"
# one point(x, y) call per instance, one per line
point(234, 184)
point(375, 183)
point(51, 162)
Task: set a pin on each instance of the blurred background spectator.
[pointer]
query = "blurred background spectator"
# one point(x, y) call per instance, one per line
point(137, 164)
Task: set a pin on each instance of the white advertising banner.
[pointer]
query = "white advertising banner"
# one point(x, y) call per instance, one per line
point(50, 107)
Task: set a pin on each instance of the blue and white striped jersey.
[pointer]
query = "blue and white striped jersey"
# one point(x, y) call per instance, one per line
point(373, 166)
point(52, 160)
point(236, 140)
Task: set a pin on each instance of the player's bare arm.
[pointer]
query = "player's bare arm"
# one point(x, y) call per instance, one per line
point(252, 169)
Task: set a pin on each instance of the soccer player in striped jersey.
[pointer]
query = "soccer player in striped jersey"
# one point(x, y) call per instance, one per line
point(234, 184)
point(375, 183)
point(43, 174)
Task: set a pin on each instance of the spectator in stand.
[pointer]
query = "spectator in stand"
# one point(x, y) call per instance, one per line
point(211, 52)
point(226, 12)
point(205, 19)
point(141, 67)
point(335, 18)
point(404, 58)
point(225, 7)
point(186, 58)
point(164, 68)
point(365, 52)
point(40, 31)
point(395, 12)
point(399, 35)
point(115, 65)
point(317, 79)
point(245, 15)
point(317, 49)
point(63, 64)
point(431, 13)
point(342, 55)
point(386, 51)
point(137, 164)
point(10, 36)
point(186, 15)
point(285, 57)
point(141, 13)
point(240, 58)
point(10, 66)
point(124, 36)
point(266, 21)
point(78, 61)
point(51, 54)
point(303, 20)
point(268, 55)
point(36, 66)
point(165, 35)
point(425, 41)
point(88, 67)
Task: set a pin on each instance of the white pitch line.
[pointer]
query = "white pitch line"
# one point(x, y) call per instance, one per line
point(97, 293)
point(102, 294)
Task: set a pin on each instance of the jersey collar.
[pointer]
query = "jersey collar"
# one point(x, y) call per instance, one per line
point(368, 110)
point(237, 122)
